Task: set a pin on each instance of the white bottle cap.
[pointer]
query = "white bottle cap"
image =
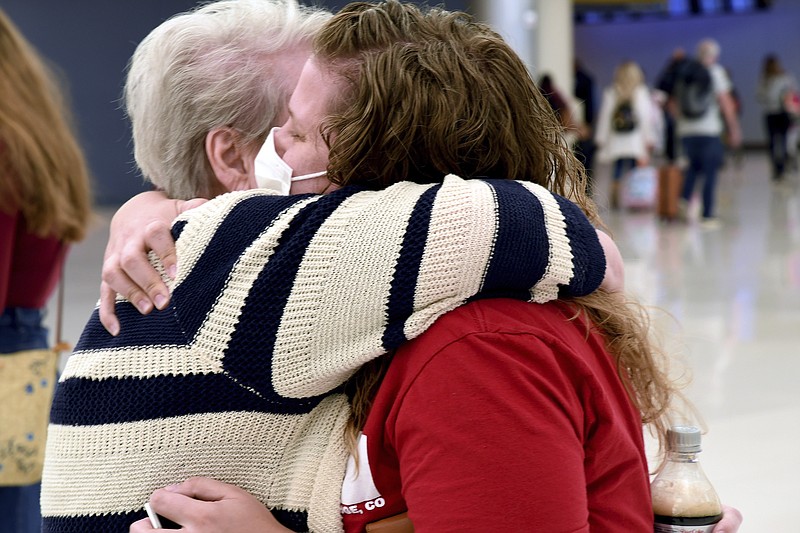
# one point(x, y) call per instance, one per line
point(684, 439)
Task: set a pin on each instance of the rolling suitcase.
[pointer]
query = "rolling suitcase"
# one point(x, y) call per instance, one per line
point(670, 183)
point(639, 188)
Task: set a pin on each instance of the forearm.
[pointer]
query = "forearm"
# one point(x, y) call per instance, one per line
point(382, 268)
point(351, 275)
point(728, 108)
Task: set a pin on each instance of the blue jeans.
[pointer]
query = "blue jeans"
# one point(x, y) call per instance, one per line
point(621, 166)
point(705, 159)
point(21, 329)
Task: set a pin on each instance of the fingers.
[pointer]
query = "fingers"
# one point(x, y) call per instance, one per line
point(158, 238)
point(171, 505)
point(735, 514)
point(206, 489)
point(108, 315)
point(140, 526)
point(128, 272)
point(116, 281)
point(182, 508)
point(140, 225)
point(731, 520)
point(204, 505)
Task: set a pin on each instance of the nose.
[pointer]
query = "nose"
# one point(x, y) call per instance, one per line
point(280, 142)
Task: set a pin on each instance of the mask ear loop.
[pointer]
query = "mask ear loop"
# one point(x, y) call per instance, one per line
point(308, 176)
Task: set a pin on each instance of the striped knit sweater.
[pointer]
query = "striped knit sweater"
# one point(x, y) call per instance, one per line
point(278, 300)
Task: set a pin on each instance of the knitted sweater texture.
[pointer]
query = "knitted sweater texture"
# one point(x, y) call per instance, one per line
point(277, 302)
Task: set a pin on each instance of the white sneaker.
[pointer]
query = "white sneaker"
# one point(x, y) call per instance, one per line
point(710, 223)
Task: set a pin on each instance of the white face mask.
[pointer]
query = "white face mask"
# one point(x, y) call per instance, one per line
point(274, 173)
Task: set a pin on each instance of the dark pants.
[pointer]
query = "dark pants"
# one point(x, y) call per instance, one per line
point(670, 146)
point(704, 154)
point(777, 127)
point(621, 166)
point(21, 329)
point(20, 509)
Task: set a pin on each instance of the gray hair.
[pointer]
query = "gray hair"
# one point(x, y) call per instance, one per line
point(220, 65)
point(708, 51)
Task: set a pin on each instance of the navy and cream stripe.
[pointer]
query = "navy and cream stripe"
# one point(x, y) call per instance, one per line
point(278, 300)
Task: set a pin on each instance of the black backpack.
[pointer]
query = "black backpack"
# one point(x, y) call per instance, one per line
point(693, 90)
point(623, 118)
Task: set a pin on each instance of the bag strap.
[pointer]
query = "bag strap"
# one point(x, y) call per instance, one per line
point(61, 345)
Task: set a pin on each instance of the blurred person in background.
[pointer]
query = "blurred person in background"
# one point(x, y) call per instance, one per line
point(585, 146)
point(665, 86)
point(701, 133)
point(45, 205)
point(571, 124)
point(625, 133)
point(776, 91)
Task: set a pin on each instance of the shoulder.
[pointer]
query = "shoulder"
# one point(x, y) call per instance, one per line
point(492, 333)
point(237, 202)
point(496, 359)
point(495, 316)
point(720, 79)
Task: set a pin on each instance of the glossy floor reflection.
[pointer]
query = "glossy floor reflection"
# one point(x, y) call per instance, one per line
point(727, 302)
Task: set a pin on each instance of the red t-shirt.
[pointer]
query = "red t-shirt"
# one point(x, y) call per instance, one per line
point(502, 416)
point(29, 265)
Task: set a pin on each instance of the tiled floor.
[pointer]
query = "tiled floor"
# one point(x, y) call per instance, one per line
point(734, 299)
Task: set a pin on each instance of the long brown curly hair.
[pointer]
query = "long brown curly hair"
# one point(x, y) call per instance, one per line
point(43, 172)
point(434, 92)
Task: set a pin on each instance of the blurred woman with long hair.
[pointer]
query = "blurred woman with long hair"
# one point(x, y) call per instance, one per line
point(44, 207)
point(625, 134)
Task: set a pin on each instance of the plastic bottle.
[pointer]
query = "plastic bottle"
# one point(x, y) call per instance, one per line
point(683, 498)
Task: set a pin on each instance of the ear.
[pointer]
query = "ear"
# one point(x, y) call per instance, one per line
point(227, 159)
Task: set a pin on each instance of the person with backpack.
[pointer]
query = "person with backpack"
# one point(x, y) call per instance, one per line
point(777, 92)
point(664, 86)
point(625, 133)
point(704, 107)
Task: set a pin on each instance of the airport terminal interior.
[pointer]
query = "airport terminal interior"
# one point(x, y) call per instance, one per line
point(725, 301)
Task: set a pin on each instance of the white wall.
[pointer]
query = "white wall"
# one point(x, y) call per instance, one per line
point(540, 31)
point(555, 39)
